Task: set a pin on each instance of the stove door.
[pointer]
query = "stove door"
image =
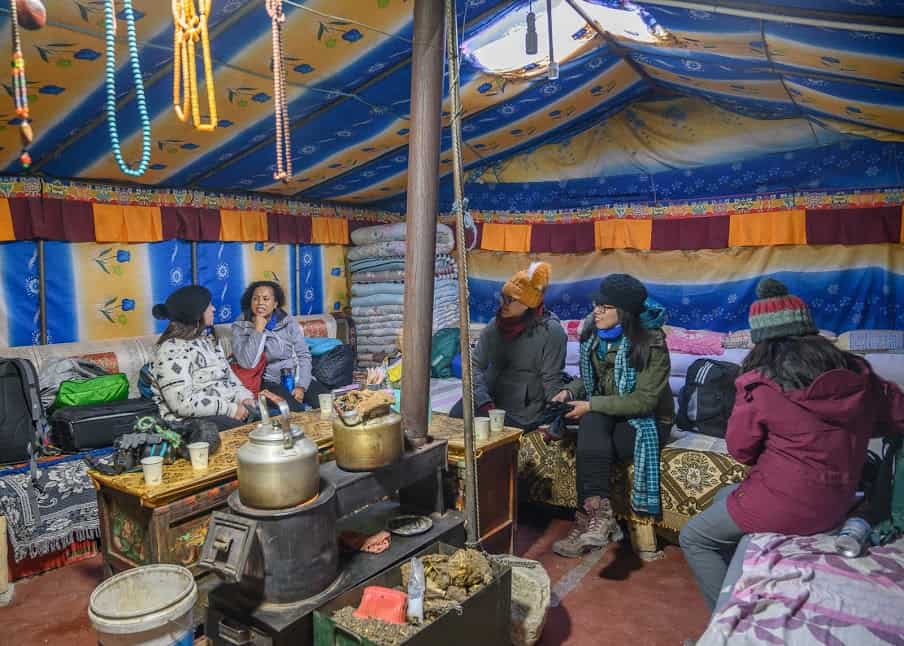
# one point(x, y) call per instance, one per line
point(228, 543)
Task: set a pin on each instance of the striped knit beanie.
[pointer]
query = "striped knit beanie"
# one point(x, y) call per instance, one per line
point(777, 313)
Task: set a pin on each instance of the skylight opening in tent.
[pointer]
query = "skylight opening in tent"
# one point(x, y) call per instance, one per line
point(500, 47)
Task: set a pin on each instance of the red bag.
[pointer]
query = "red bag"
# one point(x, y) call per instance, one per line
point(250, 377)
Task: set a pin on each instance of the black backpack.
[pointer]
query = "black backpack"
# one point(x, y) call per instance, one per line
point(23, 426)
point(335, 368)
point(707, 397)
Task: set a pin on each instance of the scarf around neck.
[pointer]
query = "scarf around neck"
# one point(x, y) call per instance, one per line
point(511, 328)
point(645, 498)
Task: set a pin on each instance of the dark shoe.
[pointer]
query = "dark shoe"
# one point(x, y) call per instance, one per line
point(571, 546)
point(602, 528)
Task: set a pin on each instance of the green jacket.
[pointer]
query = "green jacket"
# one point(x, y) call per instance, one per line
point(652, 394)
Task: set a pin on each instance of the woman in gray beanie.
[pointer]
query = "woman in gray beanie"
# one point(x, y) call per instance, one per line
point(191, 377)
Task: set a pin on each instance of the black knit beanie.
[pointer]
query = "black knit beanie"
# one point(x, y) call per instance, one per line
point(622, 291)
point(185, 305)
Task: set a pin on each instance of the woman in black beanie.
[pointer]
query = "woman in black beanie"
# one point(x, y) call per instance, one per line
point(190, 374)
point(624, 406)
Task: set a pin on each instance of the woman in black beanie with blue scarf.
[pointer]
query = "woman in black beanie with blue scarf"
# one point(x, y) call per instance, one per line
point(624, 407)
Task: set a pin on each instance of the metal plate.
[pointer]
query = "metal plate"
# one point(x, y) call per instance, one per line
point(409, 525)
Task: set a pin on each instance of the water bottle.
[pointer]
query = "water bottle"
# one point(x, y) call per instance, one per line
point(852, 538)
point(287, 379)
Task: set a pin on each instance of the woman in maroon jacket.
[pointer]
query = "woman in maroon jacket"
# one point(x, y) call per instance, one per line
point(804, 413)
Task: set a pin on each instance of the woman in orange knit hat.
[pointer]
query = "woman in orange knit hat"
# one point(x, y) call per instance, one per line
point(520, 356)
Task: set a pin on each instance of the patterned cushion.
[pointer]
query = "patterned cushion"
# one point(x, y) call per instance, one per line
point(699, 342)
point(106, 360)
point(689, 479)
point(872, 341)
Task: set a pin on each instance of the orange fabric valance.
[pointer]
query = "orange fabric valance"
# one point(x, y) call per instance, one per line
point(115, 223)
point(623, 234)
point(506, 237)
point(329, 231)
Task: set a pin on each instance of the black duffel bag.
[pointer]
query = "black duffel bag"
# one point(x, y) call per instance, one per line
point(335, 368)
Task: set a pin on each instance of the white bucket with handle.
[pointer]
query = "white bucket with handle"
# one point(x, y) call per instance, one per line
point(146, 606)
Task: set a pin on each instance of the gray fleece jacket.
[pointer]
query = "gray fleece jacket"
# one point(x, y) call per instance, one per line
point(522, 374)
point(284, 345)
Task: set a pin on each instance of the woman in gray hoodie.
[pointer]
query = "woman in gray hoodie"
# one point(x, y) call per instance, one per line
point(264, 328)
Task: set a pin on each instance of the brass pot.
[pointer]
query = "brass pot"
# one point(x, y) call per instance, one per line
point(369, 445)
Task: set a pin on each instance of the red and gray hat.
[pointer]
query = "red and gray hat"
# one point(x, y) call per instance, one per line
point(777, 313)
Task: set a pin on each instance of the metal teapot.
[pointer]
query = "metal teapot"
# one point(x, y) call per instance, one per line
point(277, 466)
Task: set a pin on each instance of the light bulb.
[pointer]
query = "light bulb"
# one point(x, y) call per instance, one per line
point(530, 41)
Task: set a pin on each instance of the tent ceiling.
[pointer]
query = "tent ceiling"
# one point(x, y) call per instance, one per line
point(349, 84)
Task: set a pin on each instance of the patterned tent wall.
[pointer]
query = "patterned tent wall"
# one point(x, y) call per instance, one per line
point(226, 268)
point(19, 308)
point(847, 287)
point(102, 291)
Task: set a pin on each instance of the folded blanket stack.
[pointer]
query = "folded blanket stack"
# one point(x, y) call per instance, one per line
point(377, 267)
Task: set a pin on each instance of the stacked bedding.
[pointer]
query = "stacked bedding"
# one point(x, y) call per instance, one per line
point(377, 267)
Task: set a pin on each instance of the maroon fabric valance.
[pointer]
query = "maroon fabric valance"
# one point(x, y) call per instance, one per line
point(689, 234)
point(572, 237)
point(186, 223)
point(854, 226)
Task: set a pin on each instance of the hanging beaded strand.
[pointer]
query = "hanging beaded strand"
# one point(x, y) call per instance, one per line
point(283, 136)
point(20, 88)
point(189, 27)
point(110, 29)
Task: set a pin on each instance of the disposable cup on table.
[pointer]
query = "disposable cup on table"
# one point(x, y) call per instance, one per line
point(199, 453)
point(481, 429)
point(497, 420)
point(326, 405)
point(153, 470)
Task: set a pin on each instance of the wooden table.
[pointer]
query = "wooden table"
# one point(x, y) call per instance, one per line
point(497, 479)
point(167, 523)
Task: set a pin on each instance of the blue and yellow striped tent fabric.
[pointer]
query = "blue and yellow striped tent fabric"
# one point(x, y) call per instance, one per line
point(349, 84)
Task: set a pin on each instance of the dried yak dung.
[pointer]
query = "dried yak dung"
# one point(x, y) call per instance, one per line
point(451, 579)
point(368, 403)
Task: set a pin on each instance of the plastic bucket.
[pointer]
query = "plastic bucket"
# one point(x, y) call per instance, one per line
point(146, 606)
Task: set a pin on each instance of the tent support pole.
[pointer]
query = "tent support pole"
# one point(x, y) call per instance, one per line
point(420, 218)
point(42, 292)
point(461, 249)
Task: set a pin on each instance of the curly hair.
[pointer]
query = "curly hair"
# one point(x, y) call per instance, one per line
point(278, 294)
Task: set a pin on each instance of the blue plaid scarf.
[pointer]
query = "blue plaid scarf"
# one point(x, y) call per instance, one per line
point(645, 494)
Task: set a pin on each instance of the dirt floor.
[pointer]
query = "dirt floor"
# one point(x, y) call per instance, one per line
point(608, 597)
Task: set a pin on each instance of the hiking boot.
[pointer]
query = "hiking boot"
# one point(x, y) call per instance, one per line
point(602, 528)
point(571, 546)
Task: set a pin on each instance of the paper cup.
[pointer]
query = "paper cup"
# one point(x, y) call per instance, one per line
point(481, 429)
point(153, 470)
point(326, 405)
point(497, 420)
point(198, 451)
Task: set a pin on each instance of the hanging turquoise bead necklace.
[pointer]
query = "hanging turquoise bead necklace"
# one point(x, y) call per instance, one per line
point(110, 24)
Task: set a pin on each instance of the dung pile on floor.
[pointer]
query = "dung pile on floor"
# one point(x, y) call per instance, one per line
point(450, 581)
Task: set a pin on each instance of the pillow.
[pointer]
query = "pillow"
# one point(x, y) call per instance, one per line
point(740, 339)
point(573, 328)
point(737, 340)
point(698, 342)
point(872, 341)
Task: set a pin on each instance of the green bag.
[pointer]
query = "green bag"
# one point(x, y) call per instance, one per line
point(99, 390)
point(444, 347)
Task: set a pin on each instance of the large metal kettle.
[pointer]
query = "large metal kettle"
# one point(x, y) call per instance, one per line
point(277, 466)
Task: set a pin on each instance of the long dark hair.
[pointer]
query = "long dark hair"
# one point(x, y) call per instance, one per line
point(278, 294)
point(640, 337)
point(793, 362)
point(185, 331)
